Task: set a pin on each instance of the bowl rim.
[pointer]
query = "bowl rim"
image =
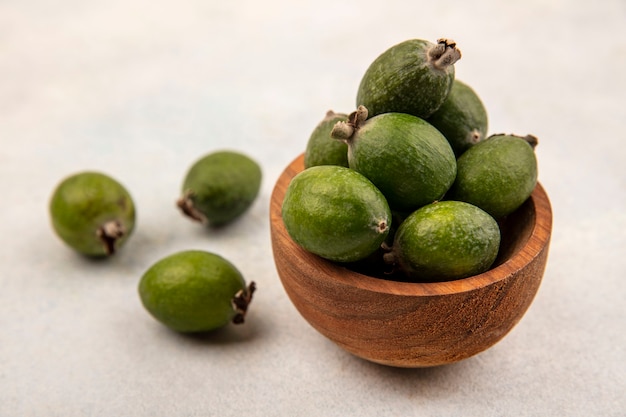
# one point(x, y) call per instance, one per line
point(340, 274)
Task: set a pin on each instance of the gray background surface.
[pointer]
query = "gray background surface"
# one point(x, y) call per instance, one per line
point(141, 89)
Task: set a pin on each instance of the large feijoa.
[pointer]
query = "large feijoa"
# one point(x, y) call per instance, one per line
point(498, 174)
point(92, 213)
point(195, 291)
point(412, 77)
point(445, 240)
point(336, 213)
point(321, 149)
point(408, 159)
point(462, 118)
point(220, 187)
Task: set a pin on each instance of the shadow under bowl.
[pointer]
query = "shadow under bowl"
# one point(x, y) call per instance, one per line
point(407, 324)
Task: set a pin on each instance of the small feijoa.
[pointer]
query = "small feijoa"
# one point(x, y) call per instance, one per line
point(462, 118)
point(498, 174)
point(444, 241)
point(321, 149)
point(195, 291)
point(92, 213)
point(220, 187)
point(408, 159)
point(336, 213)
point(413, 77)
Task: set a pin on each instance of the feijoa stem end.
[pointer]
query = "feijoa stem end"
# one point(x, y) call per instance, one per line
point(444, 53)
point(185, 204)
point(344, 131)
point(532, 140)
point(474, 137)
point(382, 226)
point(109, 233)
point(241, 301)
point(389, 258)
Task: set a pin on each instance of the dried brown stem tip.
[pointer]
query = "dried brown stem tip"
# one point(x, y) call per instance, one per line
point(241, 301)
point(109, 233)
point(359, 116)
point(444, 54)
point(532, 140)
point(474, 136)
point(389, 258)
point(185, 203)
point(343, 131)
point(382, 226)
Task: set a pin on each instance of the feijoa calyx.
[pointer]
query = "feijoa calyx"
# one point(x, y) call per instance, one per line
point(220, 187)
point(497, 174)
point(321, 149)
point(408, 159)
point(92, 213)
point(462, 118)
point(444, 241)
point(336, 213)
point(413, 77)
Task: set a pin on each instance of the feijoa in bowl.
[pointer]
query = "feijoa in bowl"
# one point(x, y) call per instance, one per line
point(408, 324)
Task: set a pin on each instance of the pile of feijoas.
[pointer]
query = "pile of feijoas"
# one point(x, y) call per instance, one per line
point(411, 173)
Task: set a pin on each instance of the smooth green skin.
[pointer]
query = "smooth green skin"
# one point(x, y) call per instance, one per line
point(82, 203)
point(462, 118)
point(321, 148)
point(402, 80)
point(191, 291)
point(497, 175)
point(335, 212)
point(409, 160)
point(446, 240)
point(223, 185)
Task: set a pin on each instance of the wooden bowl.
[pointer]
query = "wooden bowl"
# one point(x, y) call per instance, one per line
point(408, 324)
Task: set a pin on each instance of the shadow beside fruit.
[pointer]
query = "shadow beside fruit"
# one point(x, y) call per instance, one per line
point(226, 335)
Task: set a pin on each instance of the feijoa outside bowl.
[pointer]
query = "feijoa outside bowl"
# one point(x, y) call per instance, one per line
point(407, 324)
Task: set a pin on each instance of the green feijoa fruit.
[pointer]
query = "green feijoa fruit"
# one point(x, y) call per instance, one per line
point(462, 118)
point(321, 149)
point(92, 213)
point(408, 159)
point(498, 174)
point(220, 187)
point(336, 213)
point(195, 291)
point(413, 77)
point(444, 241)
